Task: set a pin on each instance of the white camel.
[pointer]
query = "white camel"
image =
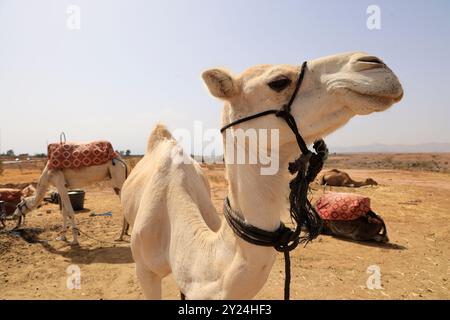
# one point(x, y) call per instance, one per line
point(176, 228)
point(65, 179)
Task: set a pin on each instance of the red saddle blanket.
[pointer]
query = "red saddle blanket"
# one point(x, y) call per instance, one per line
point(76, 156)
point(11, 197)
point(342, 206)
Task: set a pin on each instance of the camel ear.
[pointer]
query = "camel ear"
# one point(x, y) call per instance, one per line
point(220, 83)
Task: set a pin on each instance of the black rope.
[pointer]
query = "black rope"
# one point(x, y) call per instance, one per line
point(278, 239)
point(287, 275)
point(297, 86)
point(303, 214)
point(290, 120)
point(254, 116)
point(255, 235)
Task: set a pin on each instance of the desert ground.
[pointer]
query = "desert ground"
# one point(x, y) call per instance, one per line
point(413, 197)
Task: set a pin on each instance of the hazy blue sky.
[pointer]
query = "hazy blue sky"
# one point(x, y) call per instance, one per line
point(134, 63)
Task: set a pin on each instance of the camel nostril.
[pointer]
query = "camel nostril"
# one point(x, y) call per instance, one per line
point(370, 59)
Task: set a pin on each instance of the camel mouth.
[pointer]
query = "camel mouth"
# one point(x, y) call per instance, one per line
point(388, 98)
point(367, 90)
point(378, 102)
point(365, 103)
point(392, 95)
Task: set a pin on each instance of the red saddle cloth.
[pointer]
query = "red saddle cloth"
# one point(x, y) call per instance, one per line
point(342, 206)
point(11, 197)
point(76, 155)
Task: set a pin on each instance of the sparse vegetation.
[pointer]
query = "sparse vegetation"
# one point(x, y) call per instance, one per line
point(401, 161)
point(40, 155)
point(1, 167)
point(389, 159)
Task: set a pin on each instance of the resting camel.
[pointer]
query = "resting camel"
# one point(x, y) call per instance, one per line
point(367, 228)
point(65, 179)
point(176, 228)
point(349, 215)
point(337, 178)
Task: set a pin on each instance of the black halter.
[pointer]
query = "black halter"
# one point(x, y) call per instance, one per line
point(303, 214)
point(20, 207)
point(284, 112)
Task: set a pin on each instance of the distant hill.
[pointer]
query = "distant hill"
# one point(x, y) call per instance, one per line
point(400, 148)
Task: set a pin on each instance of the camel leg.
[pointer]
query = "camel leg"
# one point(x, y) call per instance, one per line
point(119, 172)
point(125, 224)
point(67, 210)
point(64, 215)
point(125, 228)
point(150, 282)
point(19, 222)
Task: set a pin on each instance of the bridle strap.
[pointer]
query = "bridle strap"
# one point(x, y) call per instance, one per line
point(277, 239)
point(245, 119)
point(297, 86)
point(290, 120)
point(306, 168)
point(284, 113)
point(20, 207)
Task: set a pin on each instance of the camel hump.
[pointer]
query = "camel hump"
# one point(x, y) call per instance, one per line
point(159, 133)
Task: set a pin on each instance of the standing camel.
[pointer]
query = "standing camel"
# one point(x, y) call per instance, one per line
point(64, 179)
point(176, 228)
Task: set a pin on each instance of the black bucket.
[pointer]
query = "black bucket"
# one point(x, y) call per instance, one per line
point(76, 199)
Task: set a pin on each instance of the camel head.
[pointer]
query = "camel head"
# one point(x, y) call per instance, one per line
point(334, 89)
point(28, 191)
point(371, 182)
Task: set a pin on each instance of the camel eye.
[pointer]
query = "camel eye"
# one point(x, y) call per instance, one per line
point(279, 84)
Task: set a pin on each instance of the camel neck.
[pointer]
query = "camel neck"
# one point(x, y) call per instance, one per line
point(259, 199)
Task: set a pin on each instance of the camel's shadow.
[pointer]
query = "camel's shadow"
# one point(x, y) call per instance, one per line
point(80, 255)
point(115, 254)
point(381, 245)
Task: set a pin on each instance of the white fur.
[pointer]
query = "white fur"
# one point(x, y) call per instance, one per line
point(176, 227)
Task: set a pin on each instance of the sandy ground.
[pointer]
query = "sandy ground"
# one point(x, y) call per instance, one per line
point(414, 265)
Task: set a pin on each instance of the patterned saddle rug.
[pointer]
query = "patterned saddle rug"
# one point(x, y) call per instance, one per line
point(342, 206)
point(11, 198)
point(76, 156)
